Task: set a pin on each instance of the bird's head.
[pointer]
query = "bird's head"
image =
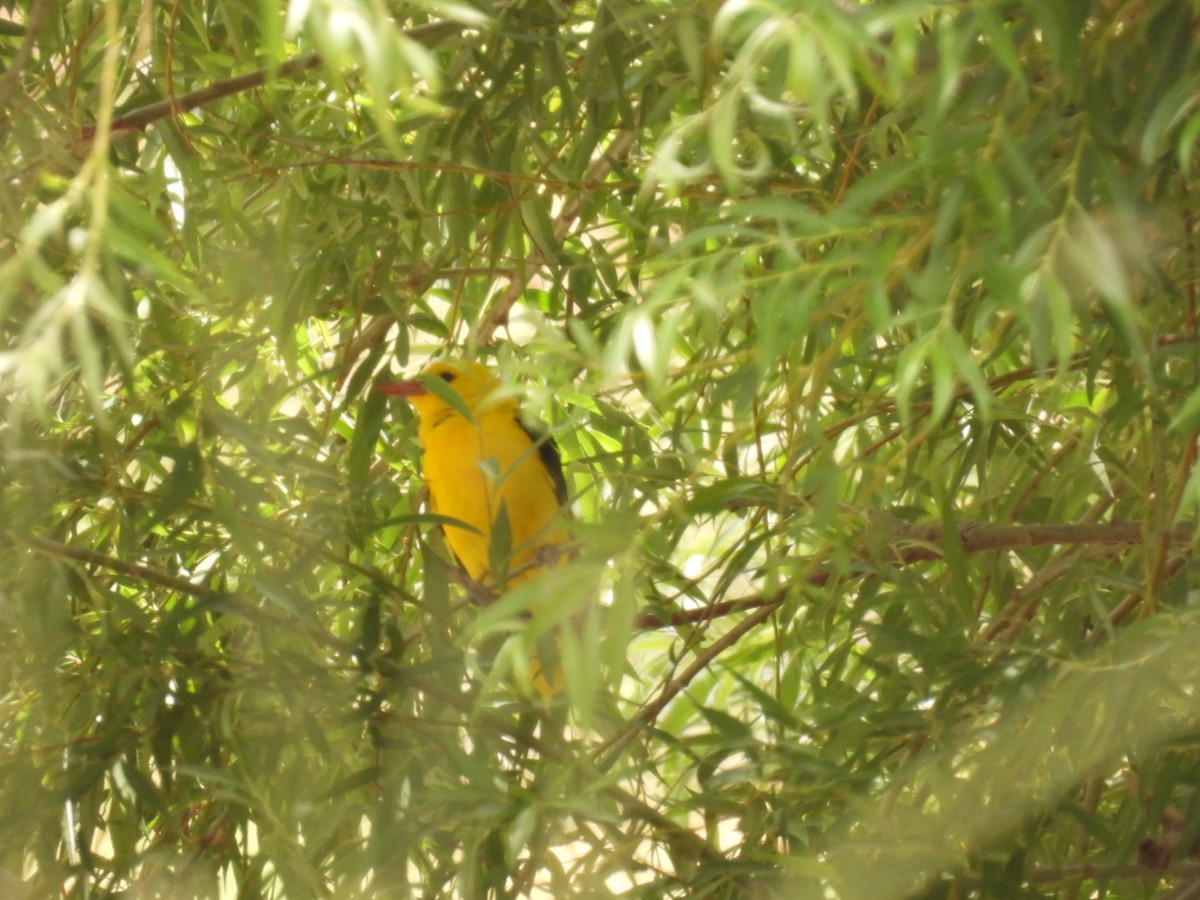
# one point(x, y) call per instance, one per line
point(473, 383)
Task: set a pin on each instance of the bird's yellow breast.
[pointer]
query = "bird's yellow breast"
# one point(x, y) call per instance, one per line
point(479, 470)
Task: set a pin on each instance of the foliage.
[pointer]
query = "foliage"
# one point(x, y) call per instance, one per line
point(867, 329)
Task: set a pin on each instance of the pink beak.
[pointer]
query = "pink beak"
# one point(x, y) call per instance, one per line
point(400, 388)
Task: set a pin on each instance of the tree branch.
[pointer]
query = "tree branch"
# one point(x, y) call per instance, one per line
point(922, 543)
point(975, 537)
point(144, 115)
point(120, 566)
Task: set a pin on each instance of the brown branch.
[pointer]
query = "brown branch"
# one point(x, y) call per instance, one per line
point(119, 566)
point(651, 621)
point(1020, 607)
point(923, 543)
point(145, 115)
point(976, 537)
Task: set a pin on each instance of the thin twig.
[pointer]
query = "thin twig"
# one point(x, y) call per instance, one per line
point(497, 316)
point(646, 716)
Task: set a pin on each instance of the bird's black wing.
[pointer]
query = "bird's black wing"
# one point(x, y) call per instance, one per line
point(548, 451)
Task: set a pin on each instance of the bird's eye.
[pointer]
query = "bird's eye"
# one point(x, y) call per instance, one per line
point(446, 376)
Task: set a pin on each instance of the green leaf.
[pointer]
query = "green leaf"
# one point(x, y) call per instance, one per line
point(500, 544)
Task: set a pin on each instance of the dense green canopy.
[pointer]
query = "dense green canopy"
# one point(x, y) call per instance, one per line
point(868, 333)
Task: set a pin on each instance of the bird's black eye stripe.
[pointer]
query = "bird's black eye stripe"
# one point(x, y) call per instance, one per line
point(446, 376)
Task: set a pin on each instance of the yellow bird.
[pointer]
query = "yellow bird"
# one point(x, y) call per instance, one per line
point(486, 469)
